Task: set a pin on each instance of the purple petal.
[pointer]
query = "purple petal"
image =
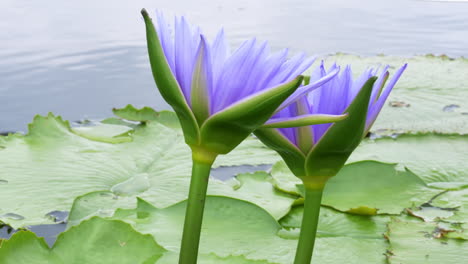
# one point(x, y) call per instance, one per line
point(220, 52)
point(271, 68)
point(289, 133)
point(186, 45)
point(234, 74)
point(358, 83)
point(165, 37)
point(301, 91)
point(287, 69)
point(377, 89)
point(202, 80)
point(372, 114)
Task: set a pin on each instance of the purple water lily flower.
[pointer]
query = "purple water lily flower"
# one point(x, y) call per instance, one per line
point(220, 98)
point(334, 97)
point(213, 79)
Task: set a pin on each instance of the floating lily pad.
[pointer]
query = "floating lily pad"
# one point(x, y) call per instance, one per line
point(246, 231)
point(366, 188)
point(420, 242)
point(52, 165)
point(96, 241)
point(333, 223)
point(433, 157)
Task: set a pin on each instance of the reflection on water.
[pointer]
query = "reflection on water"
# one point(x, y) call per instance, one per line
point(81, 58)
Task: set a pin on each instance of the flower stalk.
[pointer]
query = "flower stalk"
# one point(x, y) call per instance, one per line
point(310, 218)
point(201, 167)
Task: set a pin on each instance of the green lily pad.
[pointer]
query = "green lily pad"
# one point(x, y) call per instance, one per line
point(429, 97)
point(366, 188)
point(333, 223)
point(52, 165)
point(377, 186)
point(246, 231)
point(93, 241)
point(433, 157)
point(420, 242)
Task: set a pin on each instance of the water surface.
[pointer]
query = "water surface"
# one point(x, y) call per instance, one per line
point(81, 58)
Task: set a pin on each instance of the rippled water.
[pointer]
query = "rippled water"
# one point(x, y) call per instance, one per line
point(81, 58)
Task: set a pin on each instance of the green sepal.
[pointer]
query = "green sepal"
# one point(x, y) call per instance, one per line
point(330, 153)
point(292, 155)
point(223, 131)
point(167, 84)
point(305, 120)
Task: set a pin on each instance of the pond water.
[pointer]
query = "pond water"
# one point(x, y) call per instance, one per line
point(81, 58)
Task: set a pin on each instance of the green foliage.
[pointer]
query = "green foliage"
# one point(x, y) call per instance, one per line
point(52, 165)
point(416, 242)
point(93, 241)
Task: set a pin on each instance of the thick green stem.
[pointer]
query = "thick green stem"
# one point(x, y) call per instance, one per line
point(195, 204)
point(305, 248)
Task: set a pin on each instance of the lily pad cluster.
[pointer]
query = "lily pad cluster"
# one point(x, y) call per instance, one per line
point(402, 197)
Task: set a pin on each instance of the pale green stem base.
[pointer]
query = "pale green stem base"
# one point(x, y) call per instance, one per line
point(305, 247)
point(194, 211)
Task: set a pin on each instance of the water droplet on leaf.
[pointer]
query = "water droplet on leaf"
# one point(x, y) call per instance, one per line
point(13, 216)
point(450, 108)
